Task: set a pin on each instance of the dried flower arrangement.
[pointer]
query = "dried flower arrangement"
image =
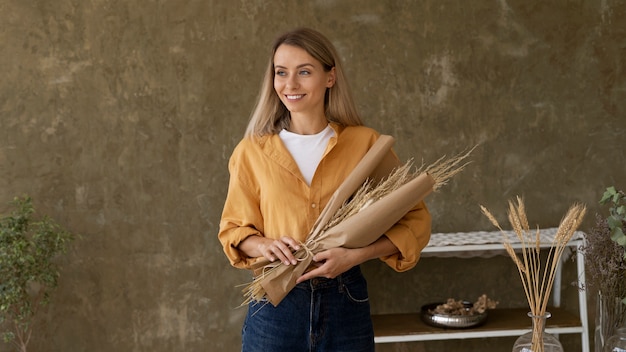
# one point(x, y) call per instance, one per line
point(605, 249)
point(359, 212)
point(605, 262)
point(538, 281)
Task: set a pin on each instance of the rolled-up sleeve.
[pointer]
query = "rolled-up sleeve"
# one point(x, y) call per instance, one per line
point(241, 216)
point(410, 235)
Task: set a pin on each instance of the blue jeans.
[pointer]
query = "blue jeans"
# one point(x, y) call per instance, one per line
point(321, 315)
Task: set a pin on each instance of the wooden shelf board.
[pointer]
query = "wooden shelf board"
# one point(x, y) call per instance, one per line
point(500, 322)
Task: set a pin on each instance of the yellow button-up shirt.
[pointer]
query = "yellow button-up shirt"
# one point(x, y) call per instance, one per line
point(267, 195)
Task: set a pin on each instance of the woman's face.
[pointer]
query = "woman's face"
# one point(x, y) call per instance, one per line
point(300, 81)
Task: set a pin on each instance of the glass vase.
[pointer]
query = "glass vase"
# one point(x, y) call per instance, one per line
point(610, 315)
point(538, 340)
point(617, 342)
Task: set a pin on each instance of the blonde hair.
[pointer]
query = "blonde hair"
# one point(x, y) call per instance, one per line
point(270, 115)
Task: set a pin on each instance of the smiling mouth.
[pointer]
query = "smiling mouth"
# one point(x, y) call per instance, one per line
point(294, 96)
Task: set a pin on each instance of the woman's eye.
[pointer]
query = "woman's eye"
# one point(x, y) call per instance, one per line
point(280, 73)
point(305, 72)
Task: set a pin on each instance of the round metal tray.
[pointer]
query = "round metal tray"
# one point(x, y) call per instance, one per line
point(451, 321)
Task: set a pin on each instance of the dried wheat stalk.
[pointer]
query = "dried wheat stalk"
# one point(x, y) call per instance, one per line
point(537, 282)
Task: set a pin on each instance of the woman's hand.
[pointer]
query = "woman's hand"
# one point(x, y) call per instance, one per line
point(331, 263)
point(281, 249)
point(336, 261)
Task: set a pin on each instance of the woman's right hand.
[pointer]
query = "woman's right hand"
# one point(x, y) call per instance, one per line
point(281, 249)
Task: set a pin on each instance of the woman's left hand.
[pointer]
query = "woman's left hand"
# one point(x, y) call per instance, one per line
point(331, 263)
point(336, 261)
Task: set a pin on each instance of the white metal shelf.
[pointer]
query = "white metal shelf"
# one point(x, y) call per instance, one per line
point(485, 244)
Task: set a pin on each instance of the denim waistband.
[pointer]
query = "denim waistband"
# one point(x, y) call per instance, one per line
point(322, 282)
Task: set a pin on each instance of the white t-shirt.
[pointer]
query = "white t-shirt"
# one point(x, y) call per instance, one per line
point(307, 150)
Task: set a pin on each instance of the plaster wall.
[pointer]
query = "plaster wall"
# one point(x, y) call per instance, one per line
point(118, 118)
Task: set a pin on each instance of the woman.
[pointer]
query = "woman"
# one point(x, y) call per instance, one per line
point(303, 139)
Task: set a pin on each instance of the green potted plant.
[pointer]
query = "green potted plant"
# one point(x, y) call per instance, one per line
point(605, 261)
point(28, 270)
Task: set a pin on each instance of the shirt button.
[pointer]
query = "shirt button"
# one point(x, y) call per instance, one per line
point(313, 205)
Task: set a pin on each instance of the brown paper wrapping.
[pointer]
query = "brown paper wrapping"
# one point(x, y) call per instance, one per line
point(377, 163)
point(356, 231)
point(369, 224)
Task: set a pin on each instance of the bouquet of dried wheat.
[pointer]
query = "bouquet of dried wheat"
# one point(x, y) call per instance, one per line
point(367, 204)
point(537, 281)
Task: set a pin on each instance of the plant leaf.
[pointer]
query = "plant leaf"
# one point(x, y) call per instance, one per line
point(608, 194)
point(614, 222)
point(618, 236)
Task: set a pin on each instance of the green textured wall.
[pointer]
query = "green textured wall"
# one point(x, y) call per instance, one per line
point(118, 118)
